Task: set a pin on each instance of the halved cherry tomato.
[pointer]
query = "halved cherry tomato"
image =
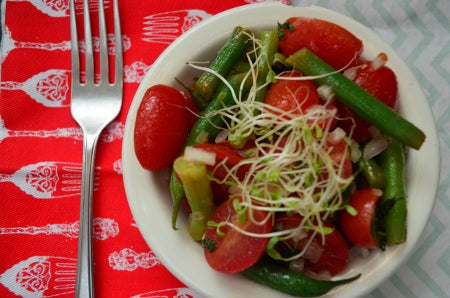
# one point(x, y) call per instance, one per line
point(161, 127)
point(224, 152)
point(331, 42)
point(381, 82)
point(220, 191)
point(325, 123)
point(340, 154)
point(235, 251)
point(330, 256)
point(358, 228)
point(335, 255)
point(292, 95)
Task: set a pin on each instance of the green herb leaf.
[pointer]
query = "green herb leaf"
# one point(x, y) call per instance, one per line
point(209, 244)
point(281, 32)
point(351, 210)
point(270, 248)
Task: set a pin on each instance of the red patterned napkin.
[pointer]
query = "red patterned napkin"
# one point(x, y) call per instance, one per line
point(41, 147)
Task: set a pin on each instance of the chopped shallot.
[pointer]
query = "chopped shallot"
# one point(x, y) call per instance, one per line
point(375, 147)
point(336, 136)
point(379, 61)
point(199, 155)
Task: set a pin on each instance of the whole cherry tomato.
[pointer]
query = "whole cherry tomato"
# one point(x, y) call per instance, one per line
point(331, 42)
point(358, 228)
point(161, 128)
point(381, 82)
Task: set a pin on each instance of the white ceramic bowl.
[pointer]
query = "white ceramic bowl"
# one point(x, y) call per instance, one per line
point(148, 193)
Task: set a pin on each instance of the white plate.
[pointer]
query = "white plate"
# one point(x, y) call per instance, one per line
point(148, 193)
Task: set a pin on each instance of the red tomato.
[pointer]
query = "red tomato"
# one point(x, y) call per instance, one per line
point(292, 95)
point(331, 256)
point(358, 228)
point(327, 123)
point(161, 127)
point(224, 152)
point(381, 83)
point(220, 191)
point(193, 110)
point(340, 154)
point(331, 42)
point(235, 251)
point(335, 255)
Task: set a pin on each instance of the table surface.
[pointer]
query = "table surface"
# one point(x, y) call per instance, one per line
point(39, 139)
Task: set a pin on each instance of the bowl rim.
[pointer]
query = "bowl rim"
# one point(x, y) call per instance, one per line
point(268, 12)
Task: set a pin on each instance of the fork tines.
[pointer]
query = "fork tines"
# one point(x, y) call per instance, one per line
point(90, 76)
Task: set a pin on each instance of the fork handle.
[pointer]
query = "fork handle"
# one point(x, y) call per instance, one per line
point(85, 276)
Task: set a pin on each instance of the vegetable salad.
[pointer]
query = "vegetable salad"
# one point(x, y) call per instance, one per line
point(287, 151)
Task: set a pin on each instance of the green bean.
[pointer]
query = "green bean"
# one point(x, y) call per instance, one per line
point(394, 198)
point(199, 194)
point(278, 277)
point(372, 172)
point(266, 52)
point(177, 193)
point(269, 46)
point(209, 123)
point(358, 99)
point(240, 67)
point(206, 128)
point(226, 59)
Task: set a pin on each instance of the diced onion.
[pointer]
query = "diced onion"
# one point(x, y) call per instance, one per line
point(234, 190)
point(375, 147)
point(336, 136)
point(297, 265)
point(357, 252)
point(313, 252)
point(377, 192)
point(379, 61)
point(325, 92)
point(221, 136)
point(355, 152)
point(350, 73)
point(199, 155)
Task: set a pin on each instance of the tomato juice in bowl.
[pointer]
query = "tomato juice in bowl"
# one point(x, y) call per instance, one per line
point(149, 196)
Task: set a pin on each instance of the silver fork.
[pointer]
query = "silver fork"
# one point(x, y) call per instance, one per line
point(94, 105)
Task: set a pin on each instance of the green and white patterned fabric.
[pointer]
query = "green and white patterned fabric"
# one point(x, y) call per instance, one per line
point(419, 30)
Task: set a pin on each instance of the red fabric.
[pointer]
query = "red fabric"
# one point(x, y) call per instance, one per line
point(41, 147)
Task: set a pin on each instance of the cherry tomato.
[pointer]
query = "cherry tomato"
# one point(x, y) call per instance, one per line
point(381, 82)
point(335, 255)
point(358, 228)
point(326, 123)
point(193, 110)
point(224, 152)
point(235, 251)
point(330, 256)
point(292, 95)
point(161, 127)
point(340, 154)
point(220, 191)
point(331, 42)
